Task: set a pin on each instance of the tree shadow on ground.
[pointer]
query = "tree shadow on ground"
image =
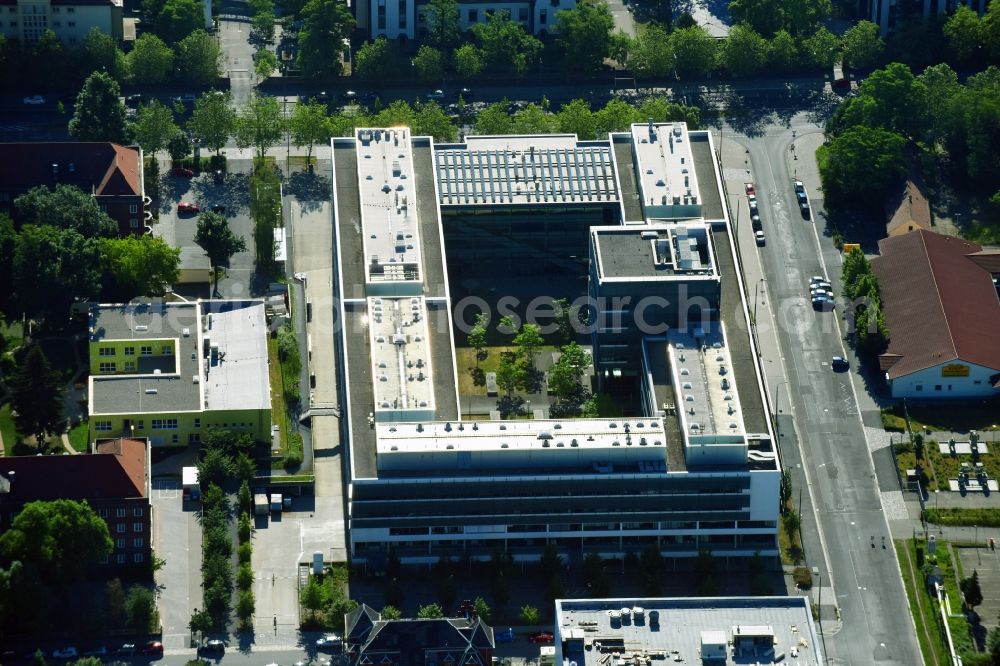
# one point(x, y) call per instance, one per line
point(310, 189)
point(231, 191)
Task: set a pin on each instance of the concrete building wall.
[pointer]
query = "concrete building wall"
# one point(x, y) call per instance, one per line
point(30, 18)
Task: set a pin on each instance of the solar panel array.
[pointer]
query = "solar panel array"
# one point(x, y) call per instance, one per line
point(576, 174)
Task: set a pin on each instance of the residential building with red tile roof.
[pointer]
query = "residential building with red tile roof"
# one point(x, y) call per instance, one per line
point(111, 173)
point(940, 300)
point(114, 481)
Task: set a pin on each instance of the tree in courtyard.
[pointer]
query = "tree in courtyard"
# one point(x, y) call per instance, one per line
point(218, 241)
point(313, 596)
point(140, 265)
point(477, 337)
point(566, 374)
point(65, 539)
point(198, 58)
point(99, 113)
point(65, 207)
point(528, 341)
point(584, 35)
point(140, 606)
point(309, 125)
point(325, 25)
point(443, 23)
point(153, 128)
point(150, 62)
point(213, 120)
point(36, 396)
point(705, 569)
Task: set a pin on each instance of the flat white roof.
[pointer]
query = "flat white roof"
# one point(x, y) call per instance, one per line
point(704, 382)
point(388, 205)
point(239, 379)
point(535, 169)
point(522, 435)
point(400, 354)
point(665, 166)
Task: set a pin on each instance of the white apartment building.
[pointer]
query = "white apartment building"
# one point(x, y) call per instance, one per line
point(27, 20)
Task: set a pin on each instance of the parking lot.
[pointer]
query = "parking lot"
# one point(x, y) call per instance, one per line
point(177, 539)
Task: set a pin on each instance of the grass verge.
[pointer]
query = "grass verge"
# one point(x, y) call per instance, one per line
point(78, 437)
point(8, 430)
point(922, 609)
point(279, 413)
point(958, 516)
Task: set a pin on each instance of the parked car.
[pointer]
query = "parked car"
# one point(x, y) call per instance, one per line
point(68, 652)
point(322, 96)
point(349, 96)
point(133, 100)
point(541, 637)
point(153, 647)
point(759, 237)
point(219, 208)
point(435, 94)
point(214, 645)
point(750, 190)
point(839, 364)
point(182, 172)
point(329, 642)
point(126, 649)
point(188, 208)
point(34, 100)
point(505, 635)
point(96, 652)
point(466, 93)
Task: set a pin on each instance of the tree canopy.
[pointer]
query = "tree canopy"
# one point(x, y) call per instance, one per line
point(213, 120)
point(443, 23)
point(309, 124)
point(65, 207)
point(154, 127)
point(862, 45)
point(326, 23)
point(99, 114)
point(260, 124)
point(198, 58)
point(178, 19)
point(140, 265)
point(36, 395)
point(151, 61)
point(218, 241)
point(506, 47)
point(52, 266)
point(584, 35)
point(64, 538)
point(861, 164)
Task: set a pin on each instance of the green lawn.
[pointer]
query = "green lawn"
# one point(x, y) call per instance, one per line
point(921, 608)
point(78, 437)
point(940, 467)
point(279, 413)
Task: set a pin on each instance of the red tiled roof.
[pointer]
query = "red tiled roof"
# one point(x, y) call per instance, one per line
point(103, 168)
point(939, 304)
point(909, 211)
point(115, 472)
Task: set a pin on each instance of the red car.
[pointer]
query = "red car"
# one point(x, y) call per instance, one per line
point(187, 207)
point(541, 637)
point(153, 647)
point(750, 190)
point(183, 172)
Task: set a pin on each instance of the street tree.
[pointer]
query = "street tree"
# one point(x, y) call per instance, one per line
point(64, 539)
point(178, 19)
point(52, 267)
point(616, 116)
point(140, 265)
point(198, 58)
point(443, 23)
point(529, 615)
point(218, 241)
point(650, 53)
point(744, 52)
point(505, 45)
point(140, 606)
point(325, 25)
point(429, 64)
point(891, 98)
point(179, 147)
point(862, 45)
point(533, 119)
point(584, 35)
point(309, 125)
point(378, 60)
point(36, 396)
point(468, 61)
point(99, 113)
point(65, 207)
point(694, 50)
point(260, 124)
point(262, 27)
point(431, 120)
point(482, 609)
point(213, 120)
point(821, 48)
point(577, 118)
point(153, 128)
point(101, 52)
point(783, 52)
point(964, 32)
point(495, 120)
point(150, 62)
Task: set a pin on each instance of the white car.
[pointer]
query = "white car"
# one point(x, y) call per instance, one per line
point(34, 100)
point(66, 653)
point(437, 94)
point(759, 237)
point(329, 641)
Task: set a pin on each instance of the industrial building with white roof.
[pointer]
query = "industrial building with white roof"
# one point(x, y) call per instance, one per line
point(640, 215)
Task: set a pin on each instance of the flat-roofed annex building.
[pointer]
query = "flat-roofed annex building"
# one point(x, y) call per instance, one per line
point(714, 631)
point(697, 467)
point(173, 371)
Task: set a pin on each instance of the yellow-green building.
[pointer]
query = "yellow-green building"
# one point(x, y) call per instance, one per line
point(173, 371)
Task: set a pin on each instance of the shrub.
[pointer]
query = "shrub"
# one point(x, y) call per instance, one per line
point(802, 577)
point(244, 577)
point(243, 552)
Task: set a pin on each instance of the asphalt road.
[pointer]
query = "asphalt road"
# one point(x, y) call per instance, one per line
point(833, 452)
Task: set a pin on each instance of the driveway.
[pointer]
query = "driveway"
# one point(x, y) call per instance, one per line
point(177, 540)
